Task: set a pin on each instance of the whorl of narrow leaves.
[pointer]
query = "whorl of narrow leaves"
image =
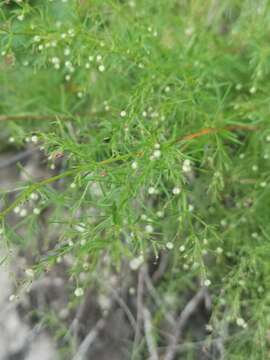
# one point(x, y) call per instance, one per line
point(153, 117)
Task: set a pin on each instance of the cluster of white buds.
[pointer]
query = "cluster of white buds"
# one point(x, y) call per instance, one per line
point(135, 263)
point(78, 292)
point(241, 322)
point(156, 153)
point(152, 190)
point(186, 166)
point(149, 228)
point(56, 62)
point(169, 245)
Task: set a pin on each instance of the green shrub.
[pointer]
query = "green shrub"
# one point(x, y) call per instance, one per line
point(153, 120)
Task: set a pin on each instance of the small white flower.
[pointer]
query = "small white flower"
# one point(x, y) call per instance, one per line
point(135, 263)
point(78, 292)
point(67, 51)
point(68, 64)
point(176, 190)
point(182, 248)
point(36, 38)
point(219, 250)
point(160, 214)
point(80, 94)
point(23, 213)
point(34, 139)
point(98, 58)
point(167, 89)
point(254, 168)
point(17, 209)
point(34, 196)
point(134, 165)
point(207, 282)
point(123, 113)
point(20, 17)
point(55, 60)
point(36, 211)
point(186, 166)
point(72, 185)
point(149, 228)
point(80, 228)
point(238, 87)
point(209, 327)
point(101, 68)
point(223, 222)
point(11, 139)
point(157, 154)
point(12, 297)
point(252, 90)
point(132, 291)
point(29, 273)
point(152, 190)
point(169, 245)
point(240, 322)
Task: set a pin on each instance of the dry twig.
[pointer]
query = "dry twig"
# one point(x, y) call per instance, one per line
point(188, 310)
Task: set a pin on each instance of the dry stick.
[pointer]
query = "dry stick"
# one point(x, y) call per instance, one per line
point(140, 290)
point(33, 117)
point(206, 131)
point(189, 309)
point(151, 344)
point(161, 268)
point(88, 340)
point(41, 117)
point(15, 158)
point(157, 299)
point(125, 308)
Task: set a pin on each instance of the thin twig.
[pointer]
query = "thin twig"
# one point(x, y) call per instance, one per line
point(188, 310)
point(161, 268)
point(156, 297)
point(23, 117)
point(148, 330)
point(49, 117)
point(15, 158)
point(88, 340)
point(207, 131)
point(125, 308)
point(140, 290)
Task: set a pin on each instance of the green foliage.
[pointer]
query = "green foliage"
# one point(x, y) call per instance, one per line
point(154, 118)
